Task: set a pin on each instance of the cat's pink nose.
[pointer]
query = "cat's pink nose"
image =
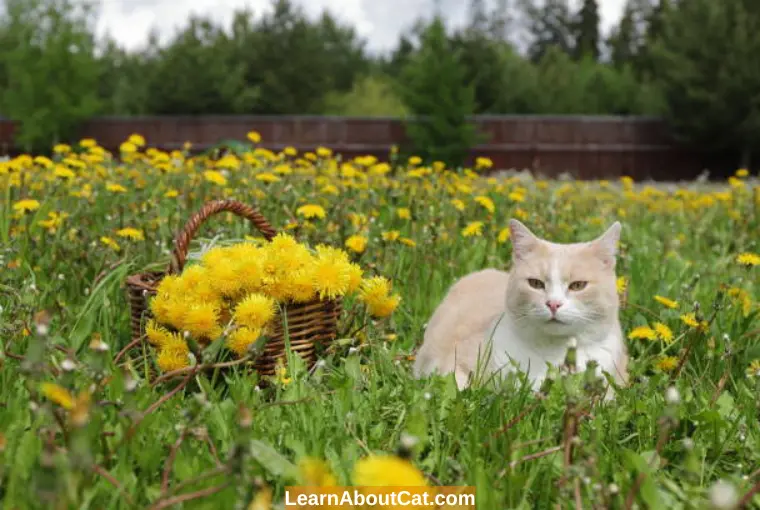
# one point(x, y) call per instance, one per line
point(554, 305)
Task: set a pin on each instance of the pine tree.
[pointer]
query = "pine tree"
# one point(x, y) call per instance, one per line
point(587, 31)
point(435, 91)
point(550, 25)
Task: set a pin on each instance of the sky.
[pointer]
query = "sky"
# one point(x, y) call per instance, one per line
point(378, 21)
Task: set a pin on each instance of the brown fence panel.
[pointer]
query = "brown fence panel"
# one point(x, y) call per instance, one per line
point(587, 147)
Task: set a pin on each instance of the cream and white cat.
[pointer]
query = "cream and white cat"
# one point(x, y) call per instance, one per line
point(528, 316)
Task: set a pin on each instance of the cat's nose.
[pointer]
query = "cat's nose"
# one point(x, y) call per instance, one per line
point(554, 305)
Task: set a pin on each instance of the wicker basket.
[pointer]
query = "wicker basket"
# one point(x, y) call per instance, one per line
point(308, 324)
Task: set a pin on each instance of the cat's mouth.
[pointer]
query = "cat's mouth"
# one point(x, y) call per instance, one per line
point(555, 320)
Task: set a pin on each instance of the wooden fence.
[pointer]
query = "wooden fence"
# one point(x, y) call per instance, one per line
point(586, 147)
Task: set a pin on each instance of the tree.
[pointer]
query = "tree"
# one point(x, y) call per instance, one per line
point(587, 30)
point(50, 70)
point(434, 89)
point(550, 25)
point(706, 61)
point(197, 74)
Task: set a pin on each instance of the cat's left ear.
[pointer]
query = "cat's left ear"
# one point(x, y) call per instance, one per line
point(607, 244)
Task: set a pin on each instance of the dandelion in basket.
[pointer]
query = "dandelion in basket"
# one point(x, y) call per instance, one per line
point(238, 291)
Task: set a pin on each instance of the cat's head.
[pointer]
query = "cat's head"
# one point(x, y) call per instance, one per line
point(562, 289)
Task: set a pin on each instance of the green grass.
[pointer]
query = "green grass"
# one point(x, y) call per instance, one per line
point(361, 398)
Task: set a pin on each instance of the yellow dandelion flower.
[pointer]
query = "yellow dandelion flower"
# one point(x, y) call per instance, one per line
point(300, 285)
point(254, 136)
point(26, 205)
point(748, 259)
point(643, 333)
point(267, 177)
point(157, 334)
point(331, 276)
point(110, 243)
point(115, 188)
point(324, 152)
point(137, 139)
point(171, 193)
point(753, 370)
point(58, 395)
point(690, 320)
point(669, 303)
point(310, 211)
point(391, 235)
point(255, 311)
point(503, 235)
point(486, 203)
point(356, 243)
point(664, 333)
point(483, 163)
point(403, 213)
point(241, 339)
point(61, 148)
point(131, 233)
point(415, 160)
point(215, 177)
point(621, 284)
point(458, 204)
point(128, 148)
point(172, 359)
point(201, 320)
point(63, 172)
point(666, 363)
point(474, 228)
point(386, 470)
point(516, 196)
point(408, 242)
point(315, 473)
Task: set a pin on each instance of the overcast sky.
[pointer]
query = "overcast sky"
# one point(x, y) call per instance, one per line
point(378, 21)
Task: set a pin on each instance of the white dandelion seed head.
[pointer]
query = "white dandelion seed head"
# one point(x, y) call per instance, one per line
point(723, 496)
point(672, 396)
point(68, 365)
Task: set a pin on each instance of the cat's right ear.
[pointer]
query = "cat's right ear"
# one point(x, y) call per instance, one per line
point(522, 238)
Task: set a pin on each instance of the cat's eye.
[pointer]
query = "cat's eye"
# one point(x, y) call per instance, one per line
point(578, 285)
point(536, 284)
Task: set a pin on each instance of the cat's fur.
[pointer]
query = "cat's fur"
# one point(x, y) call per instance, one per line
point(492, 316)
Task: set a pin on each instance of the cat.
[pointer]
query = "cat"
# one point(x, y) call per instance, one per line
point(554, 295)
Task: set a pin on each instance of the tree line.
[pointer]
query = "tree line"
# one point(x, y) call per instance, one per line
point(691, 61)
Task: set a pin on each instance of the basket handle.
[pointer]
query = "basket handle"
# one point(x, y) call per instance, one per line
point(182, 241)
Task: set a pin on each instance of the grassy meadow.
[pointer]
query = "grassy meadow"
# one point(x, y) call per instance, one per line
point(79, 430)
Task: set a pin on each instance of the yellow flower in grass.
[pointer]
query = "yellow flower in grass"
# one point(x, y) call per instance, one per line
point(171, 193)
point(391, 235)
point(215, 177)
point(690, 320)
point(26, 205)
point(473, 229)
point(666, 363)
point(115, 188)
point(669, 303)
point(643, 332)
point(486, 202)
point(748, 259)
point(131, 233)
point(253, 136)
point(504, 235)
point(63, 172)
point(403, 213)
point(356, 243)
point(375, 292)
point(408, 242)
point(310, 211)
point(315, 473)
point(388, 471)
point(664, 333)
point(267, 177)
point(241, 339)
point(415, 160)
point(483, 163)
point(58, 395)
point(621, 284)
point(300, 285)
point(753, 370)
point(255, 311)
point(458, 204)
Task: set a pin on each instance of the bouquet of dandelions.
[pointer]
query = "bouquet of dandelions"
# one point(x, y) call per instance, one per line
point(236, 291)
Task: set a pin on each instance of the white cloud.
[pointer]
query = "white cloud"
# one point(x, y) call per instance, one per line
point(378, 21)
